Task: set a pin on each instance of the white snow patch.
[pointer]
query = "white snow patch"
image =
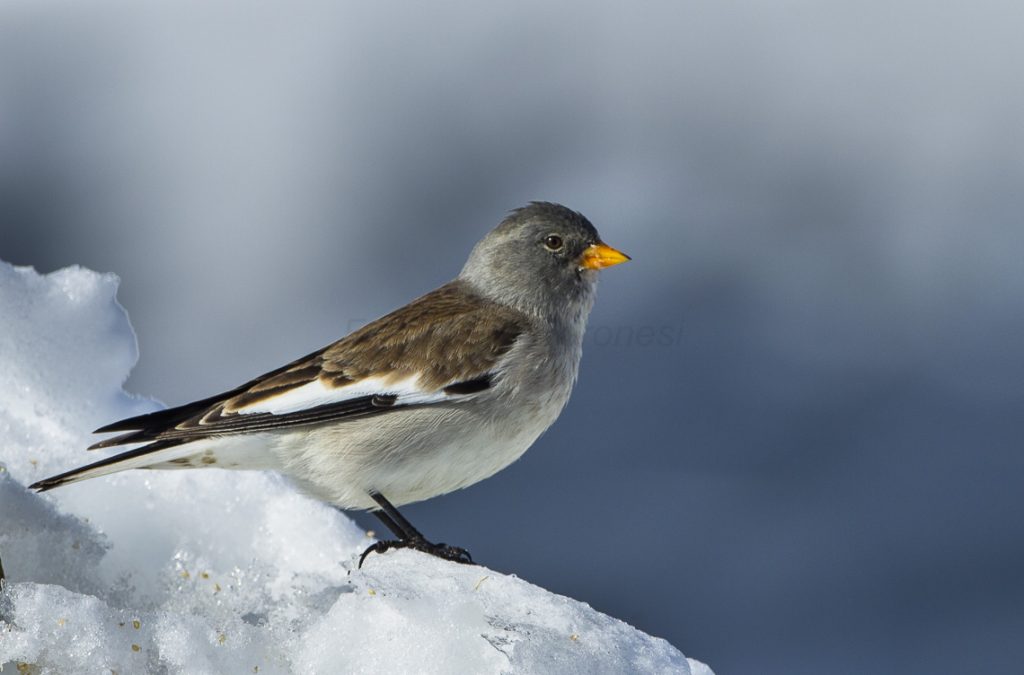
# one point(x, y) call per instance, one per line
point(226, 572)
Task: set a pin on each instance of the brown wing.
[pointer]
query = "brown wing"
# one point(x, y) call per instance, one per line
point(451, 338)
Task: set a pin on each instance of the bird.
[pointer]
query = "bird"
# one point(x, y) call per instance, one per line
point(435, 396)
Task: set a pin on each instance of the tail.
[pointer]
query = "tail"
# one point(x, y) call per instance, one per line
point(158, 452)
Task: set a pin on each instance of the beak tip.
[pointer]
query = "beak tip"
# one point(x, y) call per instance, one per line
point(601, 255)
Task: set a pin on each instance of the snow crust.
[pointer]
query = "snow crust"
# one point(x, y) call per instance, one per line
point(226, 572)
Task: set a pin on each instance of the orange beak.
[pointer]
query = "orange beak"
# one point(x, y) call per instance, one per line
point(599, 256)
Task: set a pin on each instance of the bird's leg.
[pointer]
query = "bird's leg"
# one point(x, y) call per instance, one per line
point(409, 536)
point(392, 525)
point(395, 521)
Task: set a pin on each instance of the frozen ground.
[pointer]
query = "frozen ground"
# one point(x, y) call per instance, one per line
point(218, 572)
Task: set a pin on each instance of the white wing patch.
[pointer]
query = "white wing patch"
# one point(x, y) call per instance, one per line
point(316, 394)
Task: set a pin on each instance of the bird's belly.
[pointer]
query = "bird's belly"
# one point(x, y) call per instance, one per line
point(406, 456)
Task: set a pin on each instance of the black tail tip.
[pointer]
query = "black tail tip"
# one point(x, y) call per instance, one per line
point(45, 484)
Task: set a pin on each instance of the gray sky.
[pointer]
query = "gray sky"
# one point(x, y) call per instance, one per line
point(814, 468)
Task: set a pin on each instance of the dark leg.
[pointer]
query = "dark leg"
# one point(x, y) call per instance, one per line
point(395, 521)
point(409, 536)
point(391, 525)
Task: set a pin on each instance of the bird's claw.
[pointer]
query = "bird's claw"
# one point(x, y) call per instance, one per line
point(443, 551)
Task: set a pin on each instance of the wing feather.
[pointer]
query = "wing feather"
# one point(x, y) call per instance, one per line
point(441, 348)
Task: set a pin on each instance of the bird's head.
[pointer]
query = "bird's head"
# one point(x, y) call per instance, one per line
point(543, 259)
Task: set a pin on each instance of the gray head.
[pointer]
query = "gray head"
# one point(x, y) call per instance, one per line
point(542, 259)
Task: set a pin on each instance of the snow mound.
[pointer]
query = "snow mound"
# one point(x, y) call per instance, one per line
point(226, 572)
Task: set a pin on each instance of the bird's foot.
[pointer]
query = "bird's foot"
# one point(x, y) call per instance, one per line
point(443, 551)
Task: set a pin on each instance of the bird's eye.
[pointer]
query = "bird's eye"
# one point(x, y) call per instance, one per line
point(553, 242)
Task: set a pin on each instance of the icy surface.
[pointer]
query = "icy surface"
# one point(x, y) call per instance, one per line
point(226, 572)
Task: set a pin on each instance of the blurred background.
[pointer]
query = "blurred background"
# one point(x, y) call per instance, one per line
point(795, 445)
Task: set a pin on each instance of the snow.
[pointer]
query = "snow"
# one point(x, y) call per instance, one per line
point(227, 572)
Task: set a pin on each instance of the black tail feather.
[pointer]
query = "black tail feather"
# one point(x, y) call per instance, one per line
point(70, 476)
point(160, 419)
